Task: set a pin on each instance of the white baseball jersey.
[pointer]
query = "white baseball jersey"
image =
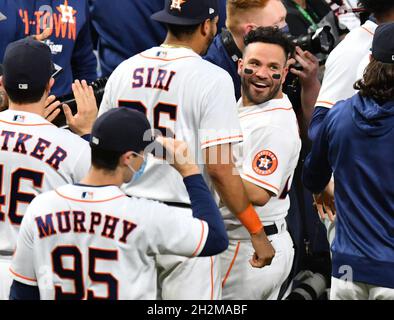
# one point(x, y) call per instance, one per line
point(86, 242)
point(35, 156)
point(180, 93)
point(342, 65)
point(267, 157)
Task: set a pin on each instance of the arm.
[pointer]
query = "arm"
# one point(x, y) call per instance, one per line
point(257, 195)
point(317, 119)
point(232, 192)
point(202, 202)
point(310, 84)
point(317, 171)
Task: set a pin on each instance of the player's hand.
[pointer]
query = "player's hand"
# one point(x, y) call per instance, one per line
point(264, 251)
point(324, 202)
point(43, 35)
point(178, 155)
point(82, 122)
point(52, 109)
point(309, 64)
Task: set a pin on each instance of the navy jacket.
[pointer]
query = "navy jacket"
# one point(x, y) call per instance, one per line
point(218, 55)
point(11, 27)
point(356, 143)
point(70, 42)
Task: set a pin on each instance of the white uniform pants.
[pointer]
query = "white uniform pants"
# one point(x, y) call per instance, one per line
point(5, 277)
point(181, 278)
point(348, 290)
point(243, 282)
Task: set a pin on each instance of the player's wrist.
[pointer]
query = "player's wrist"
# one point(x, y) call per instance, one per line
point(189, 170)
point(250, 220)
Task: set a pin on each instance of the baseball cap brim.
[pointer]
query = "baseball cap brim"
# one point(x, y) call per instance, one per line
point(164, 17)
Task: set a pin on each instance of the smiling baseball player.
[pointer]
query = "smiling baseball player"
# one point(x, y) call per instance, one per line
point(266, 160)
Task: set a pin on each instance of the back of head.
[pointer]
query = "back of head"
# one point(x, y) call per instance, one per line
point(378, 78)
point(182, 17)
point(377, 7)
point(27, 68)
point(116, 132)
point(237, 8)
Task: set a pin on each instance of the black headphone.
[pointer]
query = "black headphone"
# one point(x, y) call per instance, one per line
point(230, 45)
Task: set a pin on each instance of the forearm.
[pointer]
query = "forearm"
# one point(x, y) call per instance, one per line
point(204, 208)
point(309, 94)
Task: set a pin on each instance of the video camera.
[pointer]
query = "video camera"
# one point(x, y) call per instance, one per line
point(98, 89)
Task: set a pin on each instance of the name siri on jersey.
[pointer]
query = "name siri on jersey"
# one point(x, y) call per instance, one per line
point(151, 78)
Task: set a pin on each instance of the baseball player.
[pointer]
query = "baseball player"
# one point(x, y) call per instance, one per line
point(91, 241)
point(36, 156)
point(266, 160)
point(184, 96)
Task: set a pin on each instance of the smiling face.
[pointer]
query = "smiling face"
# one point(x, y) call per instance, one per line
point(265, 60)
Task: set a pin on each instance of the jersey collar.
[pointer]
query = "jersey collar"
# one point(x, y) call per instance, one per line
point(23, 118)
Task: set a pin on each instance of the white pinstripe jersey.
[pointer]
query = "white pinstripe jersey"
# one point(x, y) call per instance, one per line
point(268, 155)
point(82, 242)
point(180, 91)
point(35, 156)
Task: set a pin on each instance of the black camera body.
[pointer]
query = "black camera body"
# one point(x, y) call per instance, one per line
point(98, 89)
point(321, 41)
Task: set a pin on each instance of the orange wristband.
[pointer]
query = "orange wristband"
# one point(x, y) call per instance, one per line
point(250, 220)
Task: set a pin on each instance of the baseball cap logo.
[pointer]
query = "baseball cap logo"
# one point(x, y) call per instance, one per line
point(211, 11)
point(23, 86)
point(392, 57)
point(176, 4)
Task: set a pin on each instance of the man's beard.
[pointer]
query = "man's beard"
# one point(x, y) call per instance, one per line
point(208, 44)
point(259, 99)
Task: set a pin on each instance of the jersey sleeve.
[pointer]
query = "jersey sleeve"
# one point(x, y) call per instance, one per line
point(174, 231)
point(267, 154)
point(82, 164)
point(339, 77)
point(22, 266)
point(219, 122)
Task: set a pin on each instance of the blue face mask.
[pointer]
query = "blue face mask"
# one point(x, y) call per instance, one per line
point(137, 174)
point(285, 29)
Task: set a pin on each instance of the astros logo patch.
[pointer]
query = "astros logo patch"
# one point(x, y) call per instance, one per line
point(265, 163)
point(176, 4)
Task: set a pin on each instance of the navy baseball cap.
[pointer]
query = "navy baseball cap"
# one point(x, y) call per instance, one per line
point(187, 12)
point(121, 130)
point(27, 65)
point(383, 43)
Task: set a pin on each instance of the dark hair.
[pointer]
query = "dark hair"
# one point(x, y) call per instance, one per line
point(24, 96)
point(377, 7)
point(103, 159)
point(377, 82)
point(182, 31)
point(271, 35)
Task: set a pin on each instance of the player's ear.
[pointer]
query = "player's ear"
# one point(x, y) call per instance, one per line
point(50, 84)
point(240, 66)
point(205, 27)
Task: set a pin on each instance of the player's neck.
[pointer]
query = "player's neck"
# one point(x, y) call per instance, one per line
point(173, 42)
point(36, 108)
point(99, 177)
point(384, 18)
